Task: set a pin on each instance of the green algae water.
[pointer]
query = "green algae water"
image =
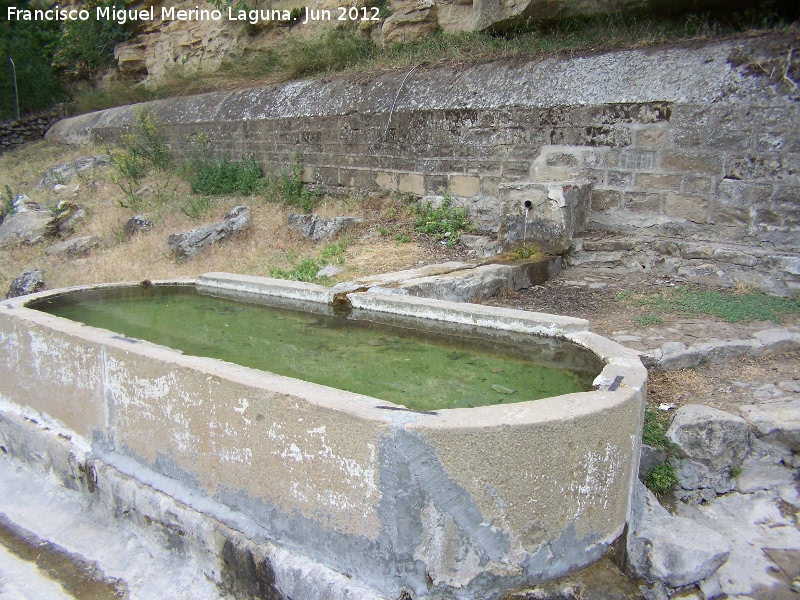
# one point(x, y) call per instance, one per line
point(416, 369)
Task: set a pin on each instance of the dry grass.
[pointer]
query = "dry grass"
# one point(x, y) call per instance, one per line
point(269, 244)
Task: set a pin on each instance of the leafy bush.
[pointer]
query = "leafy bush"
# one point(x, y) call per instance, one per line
point(86, 48)
point(30, 45)
point(225, 176)
point(447, 222)
point(140, 150)
point(196, 207)
point(290, 184)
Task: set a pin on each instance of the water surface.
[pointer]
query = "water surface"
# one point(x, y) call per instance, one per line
point(416, 369)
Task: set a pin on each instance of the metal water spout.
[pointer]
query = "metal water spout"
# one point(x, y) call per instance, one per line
point(528, 207)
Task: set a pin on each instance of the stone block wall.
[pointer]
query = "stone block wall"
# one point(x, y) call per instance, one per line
point(699, 142)
point(13, 133)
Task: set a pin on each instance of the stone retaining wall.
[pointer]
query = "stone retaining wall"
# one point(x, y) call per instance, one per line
point(700, 141)
point(25, 129)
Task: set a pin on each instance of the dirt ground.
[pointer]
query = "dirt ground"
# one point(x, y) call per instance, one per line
point(607, 300)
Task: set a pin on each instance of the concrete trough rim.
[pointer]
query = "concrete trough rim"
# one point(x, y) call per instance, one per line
point(366, 475)
point(618, 360)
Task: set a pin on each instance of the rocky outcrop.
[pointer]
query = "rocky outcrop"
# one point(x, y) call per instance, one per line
point(673, 356)
point(74, 247)
point(320, 229)
point(137, 224)
point(672, 550)
point(410, 22)
point(27, 227)
point(29, 282)
point(776, 423)
point(499, 15)
point(62, 173)
point(189, 243)
point(708, 445)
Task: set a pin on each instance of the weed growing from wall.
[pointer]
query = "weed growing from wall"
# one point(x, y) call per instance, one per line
point(290, 185)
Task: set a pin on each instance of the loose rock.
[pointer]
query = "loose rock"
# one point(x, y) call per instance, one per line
point(707, 443)
point(136, 224)
point(29, 282)
point(59, 174)
point(316, 228)
point(673, 550)
point(27, 227)
point(776, 423)
point(74, 247)
point(69, 217)
point(189, 243)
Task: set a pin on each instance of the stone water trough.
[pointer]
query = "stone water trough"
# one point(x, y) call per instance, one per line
point(314, 492)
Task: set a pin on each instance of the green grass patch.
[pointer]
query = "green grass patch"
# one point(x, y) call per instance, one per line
point(647, 320)
point(307, 269)
point(654, 432)
point(731, 307)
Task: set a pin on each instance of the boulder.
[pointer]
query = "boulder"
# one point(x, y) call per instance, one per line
point(776, 423)
point(673, 550)
point(28, 227)
point(136, 224)
point(69, 216)
point(319, 229)
point(189, 243)
point(677, 551)
point(59, 174)
point(329, 271)
point(29, 282)
point(707, 442)
point(74, 247)
point(410, 21)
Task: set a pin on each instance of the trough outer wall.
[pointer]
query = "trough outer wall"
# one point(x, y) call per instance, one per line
point(398, 500)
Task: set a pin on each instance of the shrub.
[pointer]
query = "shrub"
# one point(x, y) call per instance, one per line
point(29, 44)
point(290, 184)
point(447, 222)
point(307, 269)
point(225, 176)
point(140, 150)
point(86, 48)
point(661, 479)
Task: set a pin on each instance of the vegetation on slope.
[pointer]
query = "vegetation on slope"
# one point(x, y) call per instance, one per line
point(59, 61)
